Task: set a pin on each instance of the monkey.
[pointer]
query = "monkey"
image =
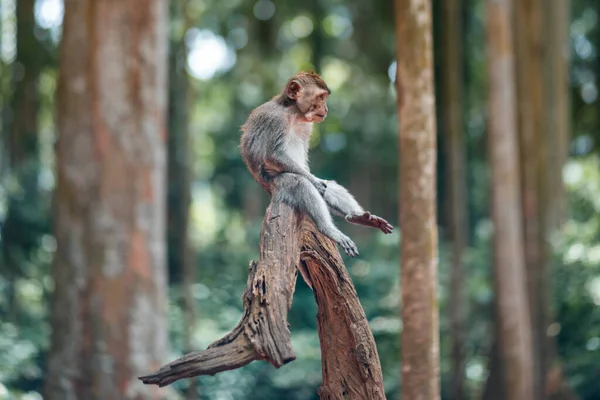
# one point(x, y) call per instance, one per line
point(274, 146)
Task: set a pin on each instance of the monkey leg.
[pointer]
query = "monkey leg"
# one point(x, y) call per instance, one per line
point(298, 192)
point(342, 203)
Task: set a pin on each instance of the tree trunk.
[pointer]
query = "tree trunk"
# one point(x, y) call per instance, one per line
point(23, 136)
point(557, 127)
point(109, 304)
point(515, 339)
point(558, 20)
point(494, 388)
point(533, 161)
point(417, 149)
point(452, 100)
point(19, 232)
point(318, 36)
point(181, 264)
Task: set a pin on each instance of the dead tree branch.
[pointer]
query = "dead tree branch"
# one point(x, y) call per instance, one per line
point(351, 368)
point(350, 362)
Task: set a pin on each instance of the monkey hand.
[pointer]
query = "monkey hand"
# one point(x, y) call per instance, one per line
point(320, 185)
point(373, 221)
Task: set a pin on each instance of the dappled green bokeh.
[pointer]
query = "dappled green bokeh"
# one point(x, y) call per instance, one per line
point(240, 54)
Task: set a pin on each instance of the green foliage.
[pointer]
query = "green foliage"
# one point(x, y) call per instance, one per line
point(576, 291)
point(352, 45)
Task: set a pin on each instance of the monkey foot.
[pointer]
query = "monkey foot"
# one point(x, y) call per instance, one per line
point(373, 221)
point(348, 246)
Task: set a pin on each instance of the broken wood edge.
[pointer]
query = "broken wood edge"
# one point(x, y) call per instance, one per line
point(230, 356)
point(263, 332)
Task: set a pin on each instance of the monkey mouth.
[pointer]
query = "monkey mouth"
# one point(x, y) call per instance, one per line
point(320, 116)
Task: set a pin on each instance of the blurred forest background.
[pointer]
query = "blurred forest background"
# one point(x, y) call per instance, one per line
point(224, 58)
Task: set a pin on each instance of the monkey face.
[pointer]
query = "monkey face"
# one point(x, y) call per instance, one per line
point(316, 109)
point(309, 92)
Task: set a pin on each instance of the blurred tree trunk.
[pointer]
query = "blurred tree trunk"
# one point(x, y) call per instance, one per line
point(318, 37)
point(22, 140)
point(452, 110)
point(515, 338)
point(4, 82)
point(109, 305)
point(418, 222)
point(543, 103)
point(180, 255)
point(557, 127)
point(494, 388)
point(558, 19)
point(530, 49)
point(19, 232)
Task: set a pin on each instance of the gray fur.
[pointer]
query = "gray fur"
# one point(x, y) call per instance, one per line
point(298, 192)
point(274, 147)
point(266, 141)
point(340, 201)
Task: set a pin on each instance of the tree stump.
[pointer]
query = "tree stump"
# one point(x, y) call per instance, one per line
point(290, 243)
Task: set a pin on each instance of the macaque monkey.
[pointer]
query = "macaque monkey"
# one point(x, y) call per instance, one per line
point(274, 146)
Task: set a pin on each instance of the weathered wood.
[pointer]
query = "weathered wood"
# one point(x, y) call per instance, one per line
point(351, 368)
point(262, 333)
point(350, 362)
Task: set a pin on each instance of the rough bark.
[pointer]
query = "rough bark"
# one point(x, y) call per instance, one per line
point(417, 149)
point(452, 100)
point(529, 42)
point(351, 368)
point(350, 362)
point(262, 333)
point(515, 339)
point(108, 312)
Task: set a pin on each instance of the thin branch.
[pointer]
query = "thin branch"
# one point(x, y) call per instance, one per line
point(207, 362)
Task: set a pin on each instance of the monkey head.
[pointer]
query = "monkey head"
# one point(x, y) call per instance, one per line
point(308, 93)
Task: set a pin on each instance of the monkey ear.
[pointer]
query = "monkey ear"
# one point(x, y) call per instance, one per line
point(293, 90)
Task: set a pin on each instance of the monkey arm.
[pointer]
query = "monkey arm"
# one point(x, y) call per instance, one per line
point(341, 202)
point(280, 161)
